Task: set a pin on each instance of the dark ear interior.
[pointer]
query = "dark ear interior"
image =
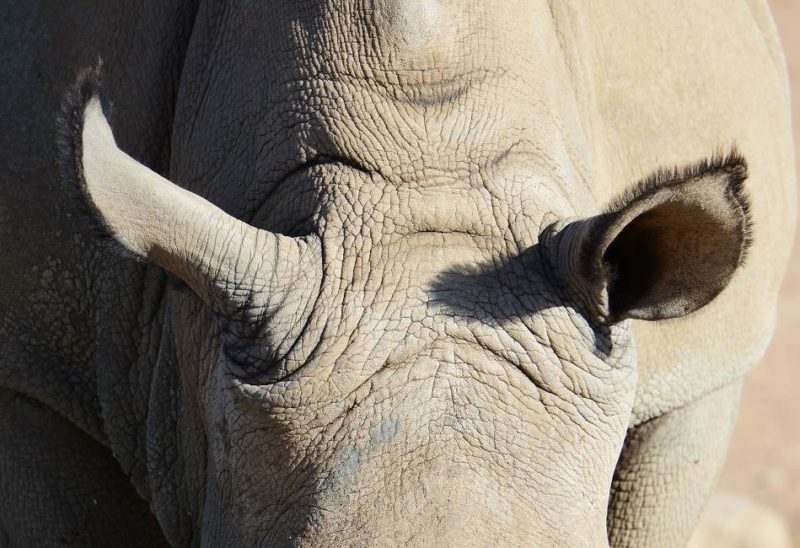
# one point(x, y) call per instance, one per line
point(670, 261)
point(671, 245)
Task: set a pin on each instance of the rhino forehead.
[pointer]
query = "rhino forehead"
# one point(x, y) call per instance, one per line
point(412, 42)
point(491, 86)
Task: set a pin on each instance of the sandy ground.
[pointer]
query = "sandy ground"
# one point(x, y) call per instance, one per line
point(764, 461)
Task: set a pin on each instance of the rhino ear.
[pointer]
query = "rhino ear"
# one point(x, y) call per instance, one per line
point(238, 270)
point(667, 247)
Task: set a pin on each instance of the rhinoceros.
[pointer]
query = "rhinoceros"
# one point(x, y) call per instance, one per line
point(389, 272)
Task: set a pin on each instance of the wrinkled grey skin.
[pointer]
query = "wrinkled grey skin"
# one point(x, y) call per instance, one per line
point(433, 369)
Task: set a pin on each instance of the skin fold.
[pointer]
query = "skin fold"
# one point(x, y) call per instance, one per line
point(391, 272)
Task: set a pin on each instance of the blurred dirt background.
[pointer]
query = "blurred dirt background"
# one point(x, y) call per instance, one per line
point(764, 461)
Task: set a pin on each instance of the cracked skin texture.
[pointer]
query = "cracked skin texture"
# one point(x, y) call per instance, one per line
point(440, 386)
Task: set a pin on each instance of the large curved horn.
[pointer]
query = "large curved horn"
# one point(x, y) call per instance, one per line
point(235, 268)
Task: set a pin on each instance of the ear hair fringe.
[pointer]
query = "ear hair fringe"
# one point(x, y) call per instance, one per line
point(69, 149)
point(732, 165)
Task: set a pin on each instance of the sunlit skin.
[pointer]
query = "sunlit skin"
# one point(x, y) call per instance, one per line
point(426, 273)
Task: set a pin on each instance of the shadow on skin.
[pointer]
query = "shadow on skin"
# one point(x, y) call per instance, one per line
point(510, 289)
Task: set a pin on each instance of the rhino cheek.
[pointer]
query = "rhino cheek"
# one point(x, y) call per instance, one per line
point(467, 445)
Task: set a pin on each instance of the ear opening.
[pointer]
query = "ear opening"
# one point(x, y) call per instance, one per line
point(666, 248)
point(671, 260)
